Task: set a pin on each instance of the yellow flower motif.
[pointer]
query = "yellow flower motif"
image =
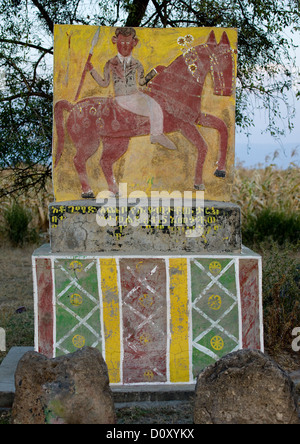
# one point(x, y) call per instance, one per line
point(189, 38)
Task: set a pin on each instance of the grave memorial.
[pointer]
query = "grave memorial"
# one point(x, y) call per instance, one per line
point(146, 261)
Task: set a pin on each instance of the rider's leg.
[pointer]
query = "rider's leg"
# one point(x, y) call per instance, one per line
point(144, 105)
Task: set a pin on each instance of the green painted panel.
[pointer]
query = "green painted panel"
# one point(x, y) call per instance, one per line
point(215, 319)
point(78, 317)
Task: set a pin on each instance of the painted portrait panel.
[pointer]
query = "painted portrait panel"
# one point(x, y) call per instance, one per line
point(153, 108)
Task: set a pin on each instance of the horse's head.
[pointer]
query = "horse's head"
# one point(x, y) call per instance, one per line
point(220, 58)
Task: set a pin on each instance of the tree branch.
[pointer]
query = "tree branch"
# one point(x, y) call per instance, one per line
point(45, 15)
point(28, 94)
point(29, 45)
point(163, 19)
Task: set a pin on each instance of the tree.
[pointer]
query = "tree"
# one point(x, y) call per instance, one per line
point(266, 67)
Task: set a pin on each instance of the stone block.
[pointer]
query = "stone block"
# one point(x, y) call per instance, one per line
point(71, 389)
point(245, 387)
point(74, 227)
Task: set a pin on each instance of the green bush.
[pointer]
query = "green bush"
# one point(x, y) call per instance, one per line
point(281, 226)
point(17, 220)
point(281, 293)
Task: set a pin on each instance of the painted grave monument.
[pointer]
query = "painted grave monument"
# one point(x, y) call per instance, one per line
point(146, 261)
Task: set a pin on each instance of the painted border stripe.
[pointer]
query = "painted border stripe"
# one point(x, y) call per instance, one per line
point(250, 302)
point(179, 321)
point(46, 316)
point(111, 318)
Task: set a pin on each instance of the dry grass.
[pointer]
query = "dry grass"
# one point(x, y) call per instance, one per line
point(16, 290)
point(269, 187)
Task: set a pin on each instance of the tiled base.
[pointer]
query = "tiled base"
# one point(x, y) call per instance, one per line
point(156, 320)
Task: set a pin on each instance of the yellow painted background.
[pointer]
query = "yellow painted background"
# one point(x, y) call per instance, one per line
point(144, 167)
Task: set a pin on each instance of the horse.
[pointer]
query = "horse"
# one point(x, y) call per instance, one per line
point(177, 88)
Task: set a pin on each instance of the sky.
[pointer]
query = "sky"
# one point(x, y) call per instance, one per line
point(260, 148)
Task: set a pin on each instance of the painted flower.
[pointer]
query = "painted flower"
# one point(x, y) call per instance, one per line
point(190, 56)
point(181, 41)
point(193, 67)
point(189, 38)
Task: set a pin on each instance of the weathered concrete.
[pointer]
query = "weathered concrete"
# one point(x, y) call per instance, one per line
point(74, 226)
point(7, 374)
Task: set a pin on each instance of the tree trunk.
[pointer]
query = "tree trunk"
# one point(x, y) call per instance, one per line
point(137, 11)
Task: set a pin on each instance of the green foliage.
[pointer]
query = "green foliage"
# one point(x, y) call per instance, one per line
point(281, 293)
point(269, 223)
point(17, 220)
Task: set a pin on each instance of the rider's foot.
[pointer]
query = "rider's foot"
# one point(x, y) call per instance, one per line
point(164, 141)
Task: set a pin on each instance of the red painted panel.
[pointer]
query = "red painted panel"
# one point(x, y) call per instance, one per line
point(144, 307)
point(45, 306)
point(249, 288)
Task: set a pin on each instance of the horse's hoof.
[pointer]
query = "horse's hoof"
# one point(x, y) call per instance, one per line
point(220, 173)
point(88, 195)
point(200, 187)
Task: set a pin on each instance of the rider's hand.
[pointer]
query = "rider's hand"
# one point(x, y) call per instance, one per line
point(89, 66)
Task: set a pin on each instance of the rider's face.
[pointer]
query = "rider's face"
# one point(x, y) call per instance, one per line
point(125, 44)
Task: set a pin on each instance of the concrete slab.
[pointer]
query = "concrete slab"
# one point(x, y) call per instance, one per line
point(156, 393)
point(163, 228)
point(7, 375)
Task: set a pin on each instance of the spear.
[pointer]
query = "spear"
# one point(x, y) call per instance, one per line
point(94, 43)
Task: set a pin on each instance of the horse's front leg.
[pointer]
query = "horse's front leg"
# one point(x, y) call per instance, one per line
point(210, 121)
point(192, 134)
point(113, 149)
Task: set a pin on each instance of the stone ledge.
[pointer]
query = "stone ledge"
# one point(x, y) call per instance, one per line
point(74, 228)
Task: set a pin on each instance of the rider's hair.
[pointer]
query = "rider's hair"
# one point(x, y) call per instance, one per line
point(126, 32)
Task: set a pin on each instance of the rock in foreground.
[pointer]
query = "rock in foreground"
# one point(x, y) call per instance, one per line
point(71, 389)
point(245, 387)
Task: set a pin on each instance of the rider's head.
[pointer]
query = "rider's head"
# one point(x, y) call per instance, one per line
point(126, 40)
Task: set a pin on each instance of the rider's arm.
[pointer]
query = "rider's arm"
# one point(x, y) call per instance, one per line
point(97, 77)
point(142, 79)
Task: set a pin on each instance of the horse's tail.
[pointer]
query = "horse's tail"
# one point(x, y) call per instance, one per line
point(60, 107)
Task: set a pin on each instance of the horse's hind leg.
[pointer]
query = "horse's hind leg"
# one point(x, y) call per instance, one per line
point(192, 134)
point(84, 152)
point(113, 149)
point(210, 121)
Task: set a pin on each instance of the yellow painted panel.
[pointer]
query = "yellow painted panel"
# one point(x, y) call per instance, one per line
point(179, 321)
point(111, 318)
point(143, 163)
